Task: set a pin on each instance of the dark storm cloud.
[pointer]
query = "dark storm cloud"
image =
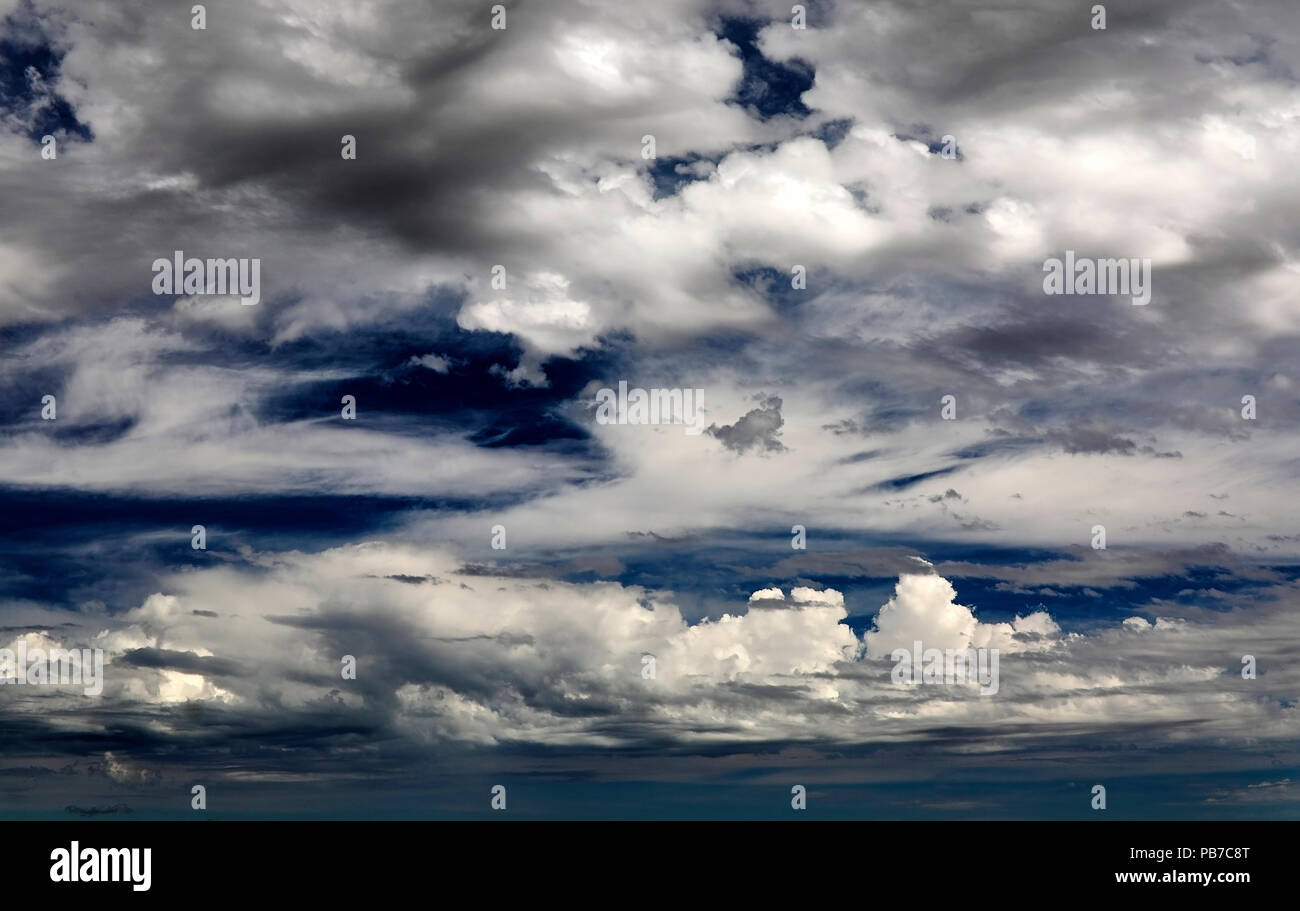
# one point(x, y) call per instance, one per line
point(1046, 337)
point(187, 662)
point(1090, 439)
point(758, 429)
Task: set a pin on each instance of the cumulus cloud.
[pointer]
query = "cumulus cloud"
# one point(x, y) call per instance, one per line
point(924, 609)
point(551, 661)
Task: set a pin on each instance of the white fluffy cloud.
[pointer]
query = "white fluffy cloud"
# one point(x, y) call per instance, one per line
point(924, 609)
point(483, 659)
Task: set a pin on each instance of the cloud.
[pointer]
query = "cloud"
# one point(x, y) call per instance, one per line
point(759, 429)
point(1264, 792)
point(778, 154)
point(122, 772)
point(475, 144)
point(559, 664)
point(435, 362)
point(89, 812)
point(924, 609)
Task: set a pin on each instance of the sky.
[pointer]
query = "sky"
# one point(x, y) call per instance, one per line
point(833, 238)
